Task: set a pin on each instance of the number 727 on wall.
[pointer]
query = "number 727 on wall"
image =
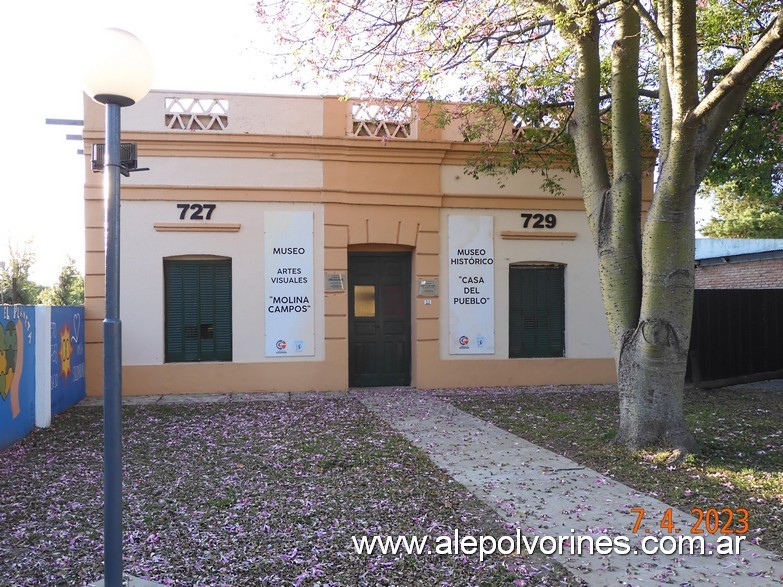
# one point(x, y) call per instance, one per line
point(196, 211)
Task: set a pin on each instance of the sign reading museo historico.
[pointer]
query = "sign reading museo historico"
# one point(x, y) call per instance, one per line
point(289, 320)
point(471, 286)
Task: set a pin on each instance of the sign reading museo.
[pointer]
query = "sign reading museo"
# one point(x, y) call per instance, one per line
point(471, 286)
point(288, 284)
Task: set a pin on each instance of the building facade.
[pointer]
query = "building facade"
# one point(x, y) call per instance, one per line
point(282, 243)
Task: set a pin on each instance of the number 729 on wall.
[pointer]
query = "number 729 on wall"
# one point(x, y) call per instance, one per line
point(538, 220)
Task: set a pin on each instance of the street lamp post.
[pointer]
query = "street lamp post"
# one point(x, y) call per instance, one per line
point(119, 75)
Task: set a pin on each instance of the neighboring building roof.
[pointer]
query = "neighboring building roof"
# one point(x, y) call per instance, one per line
point(712, 248)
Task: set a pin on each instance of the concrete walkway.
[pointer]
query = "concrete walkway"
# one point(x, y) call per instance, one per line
point(545, 494)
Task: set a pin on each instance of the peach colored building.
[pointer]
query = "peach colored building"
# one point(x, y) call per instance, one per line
point(283, 243)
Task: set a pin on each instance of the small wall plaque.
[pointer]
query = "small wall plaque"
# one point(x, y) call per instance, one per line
point(334, 281)
point(428, 287)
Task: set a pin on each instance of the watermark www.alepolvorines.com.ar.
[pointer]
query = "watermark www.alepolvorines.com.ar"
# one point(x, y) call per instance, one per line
point(572, 544)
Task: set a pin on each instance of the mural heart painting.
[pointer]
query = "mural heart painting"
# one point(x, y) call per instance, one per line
point(77, 322)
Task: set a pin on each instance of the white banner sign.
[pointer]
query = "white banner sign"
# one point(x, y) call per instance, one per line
point(471, 286)
point(289, 320)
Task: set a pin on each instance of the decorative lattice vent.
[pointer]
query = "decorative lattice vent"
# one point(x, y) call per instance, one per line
point(196, 114)
point(545, 130)
point(381, 121)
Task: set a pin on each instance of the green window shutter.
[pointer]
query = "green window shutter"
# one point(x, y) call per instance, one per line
point(515, 332)
point(223, 313)
point(206, 312)
point(198, 310)
point(175, 312)
point(536, 311)
point(190, 315)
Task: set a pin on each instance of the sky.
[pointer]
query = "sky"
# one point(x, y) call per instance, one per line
point(200, 45)
point(196, 45)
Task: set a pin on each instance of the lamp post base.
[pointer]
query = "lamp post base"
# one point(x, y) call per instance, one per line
point(129, 581)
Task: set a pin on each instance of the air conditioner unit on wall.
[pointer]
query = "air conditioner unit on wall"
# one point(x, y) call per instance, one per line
point(128, 158)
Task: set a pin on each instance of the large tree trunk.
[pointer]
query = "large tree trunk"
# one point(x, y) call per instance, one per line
point(651, 373)
point(652, 356)
point(648, 293)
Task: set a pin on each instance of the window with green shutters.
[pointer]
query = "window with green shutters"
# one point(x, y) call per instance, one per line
point(198, 310)
point(536, 311)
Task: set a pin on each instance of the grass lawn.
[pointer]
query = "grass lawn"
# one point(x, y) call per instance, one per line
point(232, 494)
point(740, 463)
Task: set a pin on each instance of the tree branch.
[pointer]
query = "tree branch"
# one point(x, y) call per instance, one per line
point(584, 126)
point(716, 108)
point(742, 75)
point(711, 74)
point(624, 231)
point(648, 19)
point(649, 93)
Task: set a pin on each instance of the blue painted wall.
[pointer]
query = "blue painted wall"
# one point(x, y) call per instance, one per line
point(67, 356)
point(17, 372)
